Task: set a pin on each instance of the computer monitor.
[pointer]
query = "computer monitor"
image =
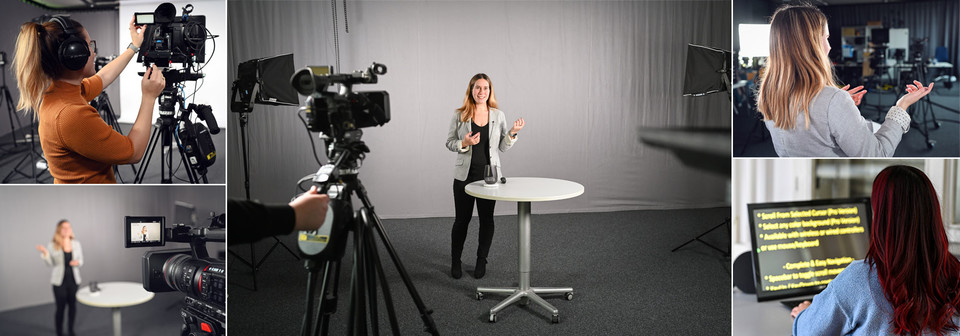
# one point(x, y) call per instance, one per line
point(799, 247)
point(849, 51)
point(880, 35)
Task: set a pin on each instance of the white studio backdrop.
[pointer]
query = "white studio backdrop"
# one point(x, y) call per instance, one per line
point(214, 87)
point(585, 75)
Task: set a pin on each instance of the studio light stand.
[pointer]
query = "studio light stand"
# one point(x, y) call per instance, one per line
point(707, 71)
point(247, 79)
point(28, 155)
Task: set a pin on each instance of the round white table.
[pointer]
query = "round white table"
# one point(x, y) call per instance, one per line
point(115, 295)
point(524, 190)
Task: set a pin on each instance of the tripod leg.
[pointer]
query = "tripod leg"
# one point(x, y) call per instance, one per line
point(151, 145)
point(328, 300)
point(425, 314)
point(312, 273)
point(360, 283)
point(370, 273)
point(374, 259)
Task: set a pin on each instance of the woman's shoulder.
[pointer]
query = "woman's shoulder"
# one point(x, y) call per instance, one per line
point(497, 112)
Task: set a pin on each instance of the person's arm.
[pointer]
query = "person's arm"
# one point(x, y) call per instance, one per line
point(77, 254)
point(508, 136)
point(112, 70)
point(454, 142)
point(250, 221)
point(855, 135)
point(151, 86)
point(45, 254)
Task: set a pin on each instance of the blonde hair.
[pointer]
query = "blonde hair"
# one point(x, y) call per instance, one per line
point(36, 62)
point(470, 105)
point(798, 67)
point(57, 241)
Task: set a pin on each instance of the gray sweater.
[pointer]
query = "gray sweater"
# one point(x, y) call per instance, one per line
point(837, 130)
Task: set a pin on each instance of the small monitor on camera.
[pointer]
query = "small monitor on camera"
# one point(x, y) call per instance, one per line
point(143, 19)
point(143, 231)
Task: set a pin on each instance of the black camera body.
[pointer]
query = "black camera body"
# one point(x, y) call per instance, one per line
point(188, 270)
point(169, 38)
point(337, 113)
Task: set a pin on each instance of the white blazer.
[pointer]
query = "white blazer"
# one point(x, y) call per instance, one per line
point(54, 259)
point(498, 128)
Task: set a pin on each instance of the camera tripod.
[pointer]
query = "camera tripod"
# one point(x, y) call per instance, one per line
point(172, 113)
point(29, 155)
point(367, 269)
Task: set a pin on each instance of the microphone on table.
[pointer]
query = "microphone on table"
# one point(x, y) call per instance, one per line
point(503, 180)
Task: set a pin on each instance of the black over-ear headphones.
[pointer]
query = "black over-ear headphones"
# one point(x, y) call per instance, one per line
point(74, 51)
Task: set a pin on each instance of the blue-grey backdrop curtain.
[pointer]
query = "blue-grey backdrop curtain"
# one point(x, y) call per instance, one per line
point(583, 74)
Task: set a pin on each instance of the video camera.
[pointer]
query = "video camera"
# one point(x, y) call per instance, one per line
point(335, 114)
point(191, 271)
point(169, 38)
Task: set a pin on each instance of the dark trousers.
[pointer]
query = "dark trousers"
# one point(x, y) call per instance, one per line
point(464, 205)
point(66, 296)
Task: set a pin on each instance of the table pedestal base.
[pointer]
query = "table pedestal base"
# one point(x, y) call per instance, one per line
point(116, 321)
point(524, 291)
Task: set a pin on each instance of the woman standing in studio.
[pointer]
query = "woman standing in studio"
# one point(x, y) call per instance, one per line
point(477, 130)
point(66, 257)
point(805, 111)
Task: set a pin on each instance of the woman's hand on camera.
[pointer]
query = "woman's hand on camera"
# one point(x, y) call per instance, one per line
point(855, 93)
point(310, 209)
point(42, 249)
point(517, 126)
point(152, 83)
point(470, 140)
point(136, 32)
point(915, 91)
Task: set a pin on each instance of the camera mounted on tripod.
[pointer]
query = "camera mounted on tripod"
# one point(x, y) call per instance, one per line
point(337, 113)
point(191, 271)
point(170, 38)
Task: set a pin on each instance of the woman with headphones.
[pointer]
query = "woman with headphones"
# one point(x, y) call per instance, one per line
point(54, 63)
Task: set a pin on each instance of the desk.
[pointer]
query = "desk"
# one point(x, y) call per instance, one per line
point(749, 317)
point(115, 295)
point(524, 190)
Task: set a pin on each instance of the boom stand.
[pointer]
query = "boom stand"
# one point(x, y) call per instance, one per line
point(367, 270)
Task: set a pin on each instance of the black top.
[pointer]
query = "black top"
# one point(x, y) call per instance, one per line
point(481, 154)
point(250, 221)
point(67, 269)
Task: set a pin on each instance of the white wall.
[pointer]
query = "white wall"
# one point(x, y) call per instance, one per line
point(215, 86)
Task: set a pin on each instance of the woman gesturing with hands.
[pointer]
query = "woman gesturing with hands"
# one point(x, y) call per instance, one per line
point(478, 131)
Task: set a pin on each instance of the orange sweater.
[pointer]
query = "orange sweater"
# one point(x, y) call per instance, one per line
point(79, 146)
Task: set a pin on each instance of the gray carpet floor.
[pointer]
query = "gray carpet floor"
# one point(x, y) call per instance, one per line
point(913, 144)
point(158, 317)
point(626, 280)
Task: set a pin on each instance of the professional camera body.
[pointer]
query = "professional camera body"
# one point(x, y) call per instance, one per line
point(191, 271)
point(337, 113)
point(169, 38)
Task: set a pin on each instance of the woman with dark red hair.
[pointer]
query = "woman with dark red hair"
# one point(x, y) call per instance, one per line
point(908, 284)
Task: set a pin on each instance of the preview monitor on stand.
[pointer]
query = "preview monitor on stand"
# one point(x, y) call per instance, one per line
point(799, 247)
point(264, 81)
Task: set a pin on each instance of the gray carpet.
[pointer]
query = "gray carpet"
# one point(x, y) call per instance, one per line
point(158, 317)
point(11, 156)
point(627, 282)
point(913, 144)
